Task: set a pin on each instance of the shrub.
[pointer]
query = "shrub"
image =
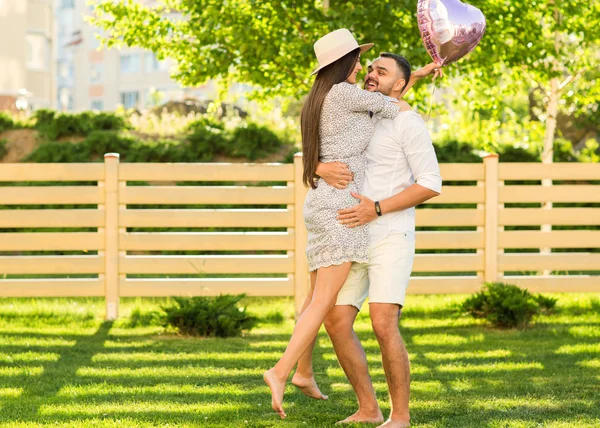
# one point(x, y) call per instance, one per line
point(107, 121)
point(43, 117)
point(3, 149)
point(209, 316)
point(156, 151)
point(100, 142)
point(546, 304)
point(55, 151)
point(52, 126)
point(517, 154)
point(254, 141)
point(206, 140)
point(506, 306)
point(206, 124)
point(456, 151)
point(6, 122)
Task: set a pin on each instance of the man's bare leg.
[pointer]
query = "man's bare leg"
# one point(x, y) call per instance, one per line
point(304, 377)
point(385, 317)
point(351, 355)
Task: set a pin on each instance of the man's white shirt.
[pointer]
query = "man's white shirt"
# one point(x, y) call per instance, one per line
point(399, 154)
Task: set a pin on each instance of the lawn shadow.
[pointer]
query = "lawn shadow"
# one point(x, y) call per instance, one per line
point(37, 389)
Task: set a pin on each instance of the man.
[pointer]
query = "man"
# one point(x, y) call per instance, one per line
point(402, 172)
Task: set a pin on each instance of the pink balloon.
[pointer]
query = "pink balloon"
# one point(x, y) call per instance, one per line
point(450, 29)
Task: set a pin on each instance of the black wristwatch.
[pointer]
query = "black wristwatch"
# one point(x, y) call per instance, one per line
point(378, 208)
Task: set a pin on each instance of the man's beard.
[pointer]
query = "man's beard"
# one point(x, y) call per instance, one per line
point(378, 87)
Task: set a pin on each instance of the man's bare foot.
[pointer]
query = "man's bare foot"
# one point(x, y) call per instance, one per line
point(395, 424)
point(309, 387)
point(363, 417)
point(277, 388)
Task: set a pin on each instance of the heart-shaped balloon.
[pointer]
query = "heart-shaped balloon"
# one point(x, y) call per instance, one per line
point(450, 29)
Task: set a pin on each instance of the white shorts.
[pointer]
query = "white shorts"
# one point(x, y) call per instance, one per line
point(385, 278)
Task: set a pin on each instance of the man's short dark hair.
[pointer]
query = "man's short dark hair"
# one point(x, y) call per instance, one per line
point(402, 64)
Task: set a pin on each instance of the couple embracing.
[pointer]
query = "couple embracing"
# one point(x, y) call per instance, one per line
point(368, 160)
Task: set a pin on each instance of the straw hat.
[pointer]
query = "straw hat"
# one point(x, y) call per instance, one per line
point(335, 45)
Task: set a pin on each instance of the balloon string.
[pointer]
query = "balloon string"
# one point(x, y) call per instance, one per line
point(431, 102)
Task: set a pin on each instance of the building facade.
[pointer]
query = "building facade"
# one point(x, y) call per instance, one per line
point(90, 78)
point(27, 54)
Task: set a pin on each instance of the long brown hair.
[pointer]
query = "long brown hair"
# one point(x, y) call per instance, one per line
point(310, 118)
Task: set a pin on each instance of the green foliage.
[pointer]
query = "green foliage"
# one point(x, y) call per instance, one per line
point(273, 317)
point(52, 125)
point(591, 152)
point(209, 316)
point(253, 141)
point(506, 306)
point(100, 142)
point(207, 139)
point(104, 121)
point(529, 48)
point(3, 149)
point(140, 317)
point(455, 151)
point(517, 154)
point(206, 124)
point(6, 122)
point(545, 303)
point(55, 151)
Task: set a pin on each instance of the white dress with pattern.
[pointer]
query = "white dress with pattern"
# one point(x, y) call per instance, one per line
point(345, 130)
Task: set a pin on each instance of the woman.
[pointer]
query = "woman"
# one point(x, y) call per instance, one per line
point(336, 126)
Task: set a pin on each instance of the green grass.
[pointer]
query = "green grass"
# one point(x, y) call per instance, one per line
point(61, 365)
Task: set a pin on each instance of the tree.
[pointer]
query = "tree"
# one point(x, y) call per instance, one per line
point(552, 48)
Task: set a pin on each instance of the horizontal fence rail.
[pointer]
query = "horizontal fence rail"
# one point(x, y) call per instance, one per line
point(124, 230)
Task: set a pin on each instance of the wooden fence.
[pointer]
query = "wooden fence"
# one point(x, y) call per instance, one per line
point(118, 229)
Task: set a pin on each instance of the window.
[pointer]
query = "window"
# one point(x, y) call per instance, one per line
point(65, 99)
point(38, 52)
point(130, 99)
point(153, 64)
point(67, 4)
point(64, 70)
point(130, 63)
point(97, 105)
point(96, 72)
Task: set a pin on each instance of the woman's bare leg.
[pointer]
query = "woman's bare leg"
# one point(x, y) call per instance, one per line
point(329, 282)
point(304, 378)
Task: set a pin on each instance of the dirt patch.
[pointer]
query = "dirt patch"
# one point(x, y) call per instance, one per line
point(20, 142)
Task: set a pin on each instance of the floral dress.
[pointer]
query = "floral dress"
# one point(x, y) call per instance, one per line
point(345, 131)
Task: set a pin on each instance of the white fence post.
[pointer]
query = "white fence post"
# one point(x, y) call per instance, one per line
point(111, 232)
point(491, 218)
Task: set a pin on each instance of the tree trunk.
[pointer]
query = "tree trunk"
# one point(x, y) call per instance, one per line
point(552, 114)
point(548, 153)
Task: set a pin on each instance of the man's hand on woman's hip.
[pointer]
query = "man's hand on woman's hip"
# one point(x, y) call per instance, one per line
point(358, 215)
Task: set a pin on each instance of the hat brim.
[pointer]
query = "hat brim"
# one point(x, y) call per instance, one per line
point(363, 49)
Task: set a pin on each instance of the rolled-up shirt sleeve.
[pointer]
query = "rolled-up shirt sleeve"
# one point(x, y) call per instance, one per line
point(420, 152)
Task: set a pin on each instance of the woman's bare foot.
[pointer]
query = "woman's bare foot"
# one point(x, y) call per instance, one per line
point(308, 386)
point(363, 417)
point(277, 388)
